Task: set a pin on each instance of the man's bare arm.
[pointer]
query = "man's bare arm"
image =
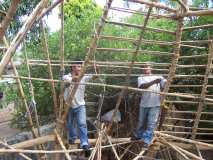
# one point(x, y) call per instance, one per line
point(147, 85)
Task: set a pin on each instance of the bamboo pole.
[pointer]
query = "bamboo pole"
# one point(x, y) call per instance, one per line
point(139, 155)
point(62, 69)
point(3, 150)
point(182, 150)
point(132, 51)
point(153, 42)
point(155, 4)
point(98, 65)
point(134, 56)
point(207, 26)
point(52, 85)
point(185, 7)
point(89, 54)
point(113, 148)
point(9, 17)
point(158, 30)
point(21, 154)
point(21, 90)
point(117, 87)
point(204, 90)
point(132, 11)
point(46, 11)
point(62, 145)
point(208, 12)
point(183, 127)
point(185, 133)
point(188, 120)
point(31, 88)
point(172, 71)
point(174, 148)
point(21, 34)
point(158, 133)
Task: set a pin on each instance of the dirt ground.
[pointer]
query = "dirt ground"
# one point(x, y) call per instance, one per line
point(5, 117)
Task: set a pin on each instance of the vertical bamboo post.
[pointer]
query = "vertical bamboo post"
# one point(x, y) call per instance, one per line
point(32, 91)
point(172, 69)
point(90, 53)
point(52, 84)
point(203, 91)
point(62, 69)
point(15, 72)
point(134, 56)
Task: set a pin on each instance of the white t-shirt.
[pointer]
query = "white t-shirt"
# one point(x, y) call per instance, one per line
point(149, 99)
point(78, 99)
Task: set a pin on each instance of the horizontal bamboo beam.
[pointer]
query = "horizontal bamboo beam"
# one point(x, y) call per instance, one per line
point(34, 142)
point(194, 56)
point(98, 65)
point(189, 112)
point(206, 26)
point(145, 41)
point(115, 87)
point(188, 120)
point(188, 133)
point(208, 12)
point(154, 4)
point(158, 30)
point(3, 150)
point(185, 102)
point(132, 11)
point(158, 133)
point(183, 127)
point(132, 51)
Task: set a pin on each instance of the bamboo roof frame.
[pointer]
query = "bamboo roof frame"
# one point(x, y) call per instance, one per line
point(175, 14)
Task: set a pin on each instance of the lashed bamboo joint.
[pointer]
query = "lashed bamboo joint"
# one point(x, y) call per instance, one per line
point(189, 85)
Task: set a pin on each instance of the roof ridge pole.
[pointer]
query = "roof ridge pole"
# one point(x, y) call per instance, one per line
point(172, 69)
point(89, 54)
point(203, 91)
point(21, 34)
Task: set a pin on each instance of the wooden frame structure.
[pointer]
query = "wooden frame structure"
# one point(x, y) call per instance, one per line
point(169, 135)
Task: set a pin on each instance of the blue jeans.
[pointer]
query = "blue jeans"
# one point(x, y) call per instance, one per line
point(150, 115)
point(77, 120)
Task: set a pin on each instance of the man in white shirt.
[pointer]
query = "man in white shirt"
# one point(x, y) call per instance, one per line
point(77, 111)
point(149, 107)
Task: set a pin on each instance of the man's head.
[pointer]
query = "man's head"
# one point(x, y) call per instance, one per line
point(76, 68)
point(147, 69)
